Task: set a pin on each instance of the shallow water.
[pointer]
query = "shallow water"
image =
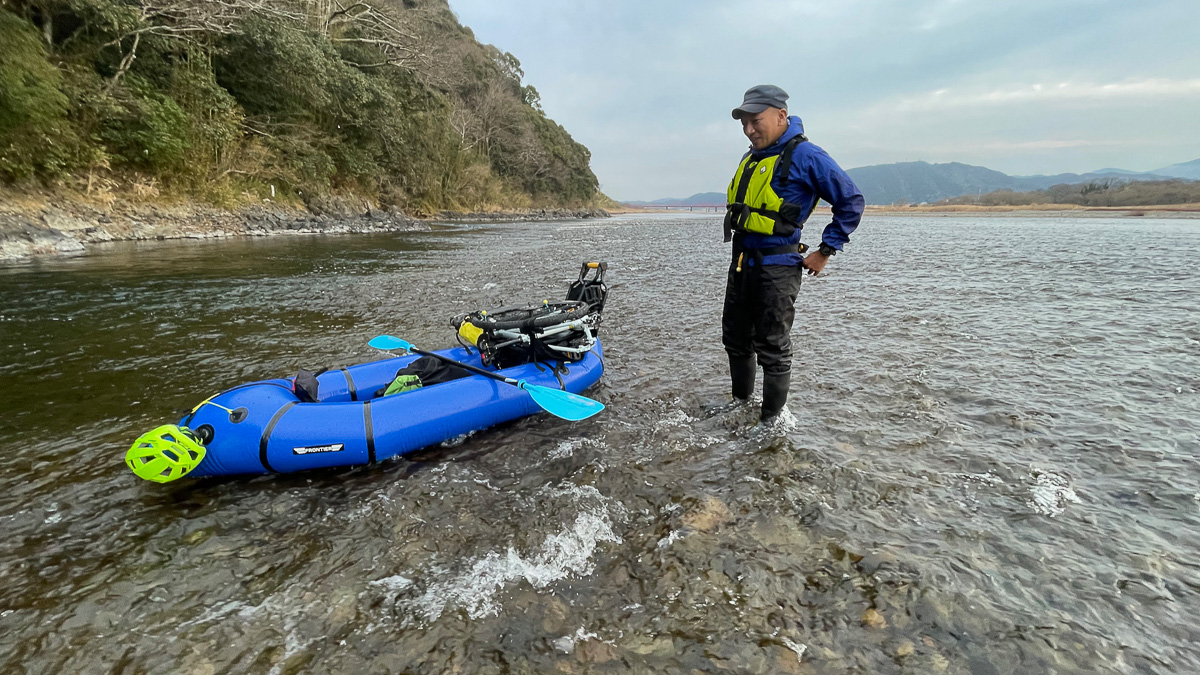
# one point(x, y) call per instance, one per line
point(989, 463)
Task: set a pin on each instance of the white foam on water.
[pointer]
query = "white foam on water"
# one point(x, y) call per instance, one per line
point(566, 553)
point(671, 538)
point(278, 610)
point(796, 647)
point(566, 643)
point(487, 484)
point(292, 645)
point(783, 423)
point(1051, 494)
point(583, 494)
point(218, 612)
point(671, 422)
point(55, 515)
point(565, 449)
point(457, 440)
point(370, 507)
point(675, 418)
point(988, 478)
point(568, 447)
point(393, 583)
point(563, 554)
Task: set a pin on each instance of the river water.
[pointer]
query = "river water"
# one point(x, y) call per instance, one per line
point(989, 463)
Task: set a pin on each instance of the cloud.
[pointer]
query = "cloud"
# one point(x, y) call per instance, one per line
point(1051, 144)
point(1037, 86)
point(1000, 148)
point(1138, 90)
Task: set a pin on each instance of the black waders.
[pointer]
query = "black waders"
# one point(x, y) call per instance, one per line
point(775, 393)
point(741, 373)
point(756, 325)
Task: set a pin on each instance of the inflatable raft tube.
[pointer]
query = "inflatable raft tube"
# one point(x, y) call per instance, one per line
point(261, 427)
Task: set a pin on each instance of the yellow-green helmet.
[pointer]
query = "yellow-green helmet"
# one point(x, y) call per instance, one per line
point(165, 454)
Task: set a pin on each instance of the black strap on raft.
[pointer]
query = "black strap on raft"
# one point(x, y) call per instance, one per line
point(369, 431)
point(266, 435)
point(349, 384)
point(526, 318)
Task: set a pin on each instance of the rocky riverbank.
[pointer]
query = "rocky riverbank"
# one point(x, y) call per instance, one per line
point(536, 215)
point(35, 227)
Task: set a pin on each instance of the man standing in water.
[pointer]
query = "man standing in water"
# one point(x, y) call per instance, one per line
point(775, 189)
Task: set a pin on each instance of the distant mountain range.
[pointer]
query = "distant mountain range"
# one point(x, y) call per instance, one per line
point(1185, 170)
point(916, 182)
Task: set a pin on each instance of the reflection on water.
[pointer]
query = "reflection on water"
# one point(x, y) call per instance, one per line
point(988, 466)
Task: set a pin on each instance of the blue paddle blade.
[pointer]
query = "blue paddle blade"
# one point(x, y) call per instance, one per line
point(561, 403)
point(388, 343)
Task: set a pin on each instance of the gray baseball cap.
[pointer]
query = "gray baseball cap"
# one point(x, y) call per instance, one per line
point(759, 98)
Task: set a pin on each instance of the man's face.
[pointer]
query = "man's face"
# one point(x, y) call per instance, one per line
point(765, 128)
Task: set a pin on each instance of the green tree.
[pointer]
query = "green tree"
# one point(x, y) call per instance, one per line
point(34, 134)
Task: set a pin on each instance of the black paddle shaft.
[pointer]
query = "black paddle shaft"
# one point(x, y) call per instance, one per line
point(464, 366)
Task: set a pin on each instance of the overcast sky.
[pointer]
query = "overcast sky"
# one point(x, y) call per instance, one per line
point(1020, 86)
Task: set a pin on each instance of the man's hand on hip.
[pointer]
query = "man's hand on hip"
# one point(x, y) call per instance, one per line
point(814, 262)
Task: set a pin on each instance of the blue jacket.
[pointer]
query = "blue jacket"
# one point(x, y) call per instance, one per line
point(813, 176)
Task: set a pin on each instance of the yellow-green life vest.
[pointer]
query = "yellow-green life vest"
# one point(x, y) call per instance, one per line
point(752, 205)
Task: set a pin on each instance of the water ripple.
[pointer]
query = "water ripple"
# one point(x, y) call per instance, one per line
point(988, 463)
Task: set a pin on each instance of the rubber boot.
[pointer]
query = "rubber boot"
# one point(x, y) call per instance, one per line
point(741, 375)
point(775, 393)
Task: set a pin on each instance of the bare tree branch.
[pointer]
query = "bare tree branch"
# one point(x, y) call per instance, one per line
point(345, 15)
point(368, 23)
point(126, 62)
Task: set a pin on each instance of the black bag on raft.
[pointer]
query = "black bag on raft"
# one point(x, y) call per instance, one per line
point(428, 371)
point(305, 386)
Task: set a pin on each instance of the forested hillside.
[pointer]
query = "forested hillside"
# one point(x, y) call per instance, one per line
point(917, 182)
point(388, 99)
point(1111, 192)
